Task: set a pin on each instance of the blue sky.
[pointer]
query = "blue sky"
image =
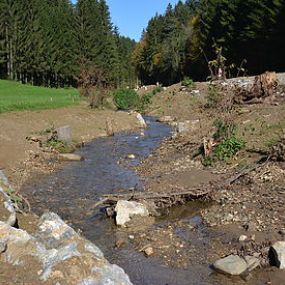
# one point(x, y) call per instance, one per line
point(131, 16)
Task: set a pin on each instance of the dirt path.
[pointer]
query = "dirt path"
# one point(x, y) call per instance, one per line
point(85, 124)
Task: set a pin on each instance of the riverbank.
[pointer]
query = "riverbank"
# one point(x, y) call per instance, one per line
point(20, 159)
point(18, 156)
point(245, 216)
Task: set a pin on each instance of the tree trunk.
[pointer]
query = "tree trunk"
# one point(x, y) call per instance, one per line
point(8, 53)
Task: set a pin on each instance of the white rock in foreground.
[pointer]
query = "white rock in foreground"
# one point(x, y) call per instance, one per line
point(278, 250)
point(232, 265)
point(125, 210)
point(59, 255)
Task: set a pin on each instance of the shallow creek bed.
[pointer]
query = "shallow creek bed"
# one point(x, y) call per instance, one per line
point(175, 248)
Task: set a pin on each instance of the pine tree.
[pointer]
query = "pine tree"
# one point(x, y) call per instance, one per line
point(58, 19)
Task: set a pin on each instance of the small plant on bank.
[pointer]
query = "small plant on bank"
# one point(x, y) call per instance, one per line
point(145, 100)
point(207, 161)
point(187, 82)
point(227, 144)
point(14, 196)
point(126, 99)
point(156, 90)
point(229, 148)
point(60, 146)
point(213, 97)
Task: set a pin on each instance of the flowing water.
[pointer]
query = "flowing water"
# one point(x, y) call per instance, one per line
point(72, 190)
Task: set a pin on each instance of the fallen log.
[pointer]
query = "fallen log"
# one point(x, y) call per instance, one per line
point(163, 199)
point(169, 199)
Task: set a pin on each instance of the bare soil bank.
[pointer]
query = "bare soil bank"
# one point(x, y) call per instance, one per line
point(253, 206)
point(86, 124)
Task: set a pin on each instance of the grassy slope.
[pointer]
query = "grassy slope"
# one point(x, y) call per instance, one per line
point(16, 97)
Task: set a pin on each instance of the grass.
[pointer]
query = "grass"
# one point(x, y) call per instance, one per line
point(18, 97)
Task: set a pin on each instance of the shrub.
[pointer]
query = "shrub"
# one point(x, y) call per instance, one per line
point(126, 99)
point(225, 129)
point(207, 161)
point(60, 146)
point(187, 82)
point(156, 90)
point(228, 148)
point(213, 97)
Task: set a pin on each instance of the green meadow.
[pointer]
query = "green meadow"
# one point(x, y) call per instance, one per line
point(15, 96)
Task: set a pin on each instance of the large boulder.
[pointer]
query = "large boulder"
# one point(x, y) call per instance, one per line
point(232, 265)
point(58, 255)
point(125, 210)
point(278, 254)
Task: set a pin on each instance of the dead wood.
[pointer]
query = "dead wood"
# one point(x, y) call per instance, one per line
point(208, 146)
point(169, 199)
point(161, 200)
point(110, 127)
point(277, 151)
point(246, 172)
point(263, 89)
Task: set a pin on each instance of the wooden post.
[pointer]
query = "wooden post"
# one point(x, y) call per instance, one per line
point(109, 127)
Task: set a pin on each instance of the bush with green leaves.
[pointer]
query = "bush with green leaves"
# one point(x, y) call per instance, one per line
point(126, 99)
point(187, 82)
point(229, 148)
point(60, 146)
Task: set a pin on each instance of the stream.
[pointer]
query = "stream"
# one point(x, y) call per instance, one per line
point(74, 188)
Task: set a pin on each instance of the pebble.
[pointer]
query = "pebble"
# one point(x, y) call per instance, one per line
point(131, 156)
point(242, 238)
point(120, 243)
point(149, 251)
